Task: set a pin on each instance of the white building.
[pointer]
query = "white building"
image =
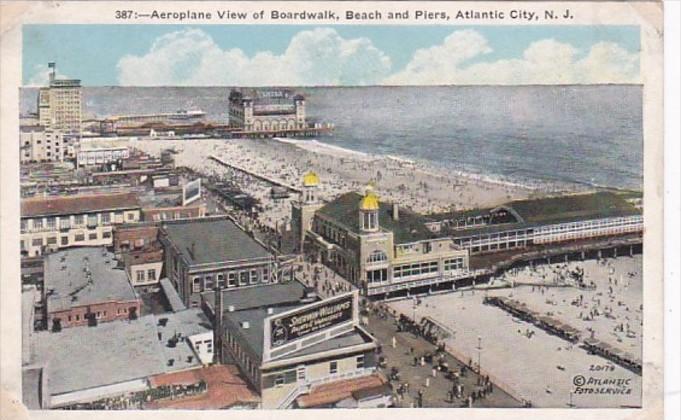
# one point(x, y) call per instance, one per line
point(41, 144)
point(101, 150)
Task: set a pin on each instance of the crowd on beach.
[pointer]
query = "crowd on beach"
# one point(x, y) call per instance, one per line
point(602, 295)
point(415, 185)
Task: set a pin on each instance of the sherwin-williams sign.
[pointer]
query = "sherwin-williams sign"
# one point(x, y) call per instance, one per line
point(311, 319)
point(191, 191)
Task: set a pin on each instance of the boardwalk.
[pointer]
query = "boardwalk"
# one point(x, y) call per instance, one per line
point(255, 174)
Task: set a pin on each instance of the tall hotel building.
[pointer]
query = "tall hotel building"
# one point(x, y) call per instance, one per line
point(59, 105)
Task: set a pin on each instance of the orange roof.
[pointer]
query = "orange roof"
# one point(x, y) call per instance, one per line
point(226, 388)
point(48, 206)
point(338, 390)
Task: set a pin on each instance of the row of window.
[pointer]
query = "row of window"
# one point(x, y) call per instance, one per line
point(591, 224)
point(454, 264)
point(66, 222)
point(377, 276)
point(301, 371)
point(600, 226)
point(416, 269)
point(52, 240)
point(208, 343)
point(377, 256)
point(330, 232)
point(142, 275)
point(234, 278)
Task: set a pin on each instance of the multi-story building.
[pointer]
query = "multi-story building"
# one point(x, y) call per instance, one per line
point(59, 105)
point(101, 151)
point(52, 223)
point(266, 110)
point(84, 286)
point(202, 254)
point(41, 144)
point(291, 346)
point(375, 244)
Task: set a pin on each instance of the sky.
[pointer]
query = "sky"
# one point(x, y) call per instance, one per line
point(341, 55)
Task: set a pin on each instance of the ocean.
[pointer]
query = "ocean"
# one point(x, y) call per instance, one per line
point(586, 135)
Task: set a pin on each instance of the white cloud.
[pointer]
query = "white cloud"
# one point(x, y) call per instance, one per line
point(322, 57)
point(313, 57)
point(545, 61)
point(41, 76)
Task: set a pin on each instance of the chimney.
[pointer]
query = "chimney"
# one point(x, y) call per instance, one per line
point(245, 325)
point(230, 308)
point(396, 212)
point(270, 311)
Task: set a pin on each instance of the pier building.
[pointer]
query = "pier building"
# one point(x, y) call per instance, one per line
point(266, 110)
point(384, 249)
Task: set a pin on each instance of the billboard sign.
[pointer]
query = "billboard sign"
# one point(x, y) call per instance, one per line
point(288, 331)
point(191, 191)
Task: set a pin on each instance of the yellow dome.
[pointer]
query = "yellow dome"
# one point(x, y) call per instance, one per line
point(369, 202)
point(310, 179)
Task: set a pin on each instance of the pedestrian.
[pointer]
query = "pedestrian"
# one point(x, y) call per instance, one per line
point(394, 342)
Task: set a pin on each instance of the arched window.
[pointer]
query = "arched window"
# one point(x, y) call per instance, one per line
point(377, 256)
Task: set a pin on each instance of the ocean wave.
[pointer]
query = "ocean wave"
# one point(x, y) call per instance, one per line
point(317, 146)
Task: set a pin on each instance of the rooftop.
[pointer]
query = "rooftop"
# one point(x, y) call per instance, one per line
point(97, 143)
point(117, 351)
point(410, 226)
point(212, 240)
point(84, 276)
point(77, 204)
point(225, 388)
point(260, 296)
point(253, 336)
point(549, 210)
point(251, 305)
point(154, 199)
point(325, 394)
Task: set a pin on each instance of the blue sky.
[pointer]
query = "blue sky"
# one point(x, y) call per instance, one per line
point(93, 53)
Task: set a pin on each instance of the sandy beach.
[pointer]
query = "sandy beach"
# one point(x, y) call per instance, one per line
point(535, 364)
point(414, 185)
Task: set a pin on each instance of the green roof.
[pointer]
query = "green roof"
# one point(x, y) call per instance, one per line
point(551, 210)
point(410, 226)
point(582, 206)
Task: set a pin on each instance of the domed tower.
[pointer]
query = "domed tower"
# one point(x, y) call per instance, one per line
point(310, 186)
point(368, 211)
point(303, 210)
